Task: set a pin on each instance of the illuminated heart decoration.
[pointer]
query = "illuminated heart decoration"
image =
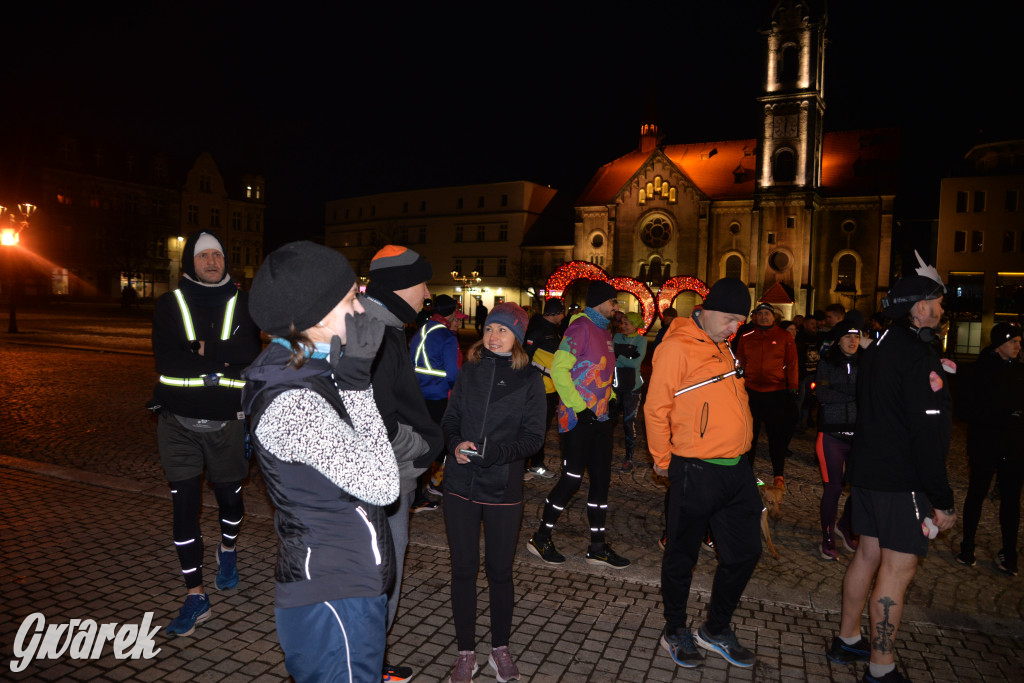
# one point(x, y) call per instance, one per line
point(569, 272)
point(674, 286)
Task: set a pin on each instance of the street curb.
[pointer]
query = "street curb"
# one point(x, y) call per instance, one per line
point(640, 574)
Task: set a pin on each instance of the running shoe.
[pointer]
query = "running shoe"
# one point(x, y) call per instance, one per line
point(545, 550)
point(195, 609)
point(680, 646)
point(727, 646)
point(841, 653)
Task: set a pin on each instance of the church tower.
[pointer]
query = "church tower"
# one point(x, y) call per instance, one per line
point(792, 102)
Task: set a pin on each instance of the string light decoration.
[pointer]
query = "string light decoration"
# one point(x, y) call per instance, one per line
point(569, 272)
point(643, 294)
point(672, 287)
point(650, 306)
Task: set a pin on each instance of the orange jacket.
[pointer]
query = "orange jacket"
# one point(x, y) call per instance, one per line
point(769, 359)
point(710, 422)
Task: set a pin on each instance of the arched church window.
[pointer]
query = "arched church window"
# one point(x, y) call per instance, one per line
point(643, 196)
point(656, 232)
point(846, 273)
point(785, 166)
point(650, 189)
point(734, 266)
point(790, 63)
point(671, 195)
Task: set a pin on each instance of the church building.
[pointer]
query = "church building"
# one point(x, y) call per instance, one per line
point(805, 217)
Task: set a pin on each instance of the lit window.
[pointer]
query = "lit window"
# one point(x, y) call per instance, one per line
point(248, 191)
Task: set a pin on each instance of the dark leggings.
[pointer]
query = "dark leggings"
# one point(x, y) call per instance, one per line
point(1009, 470)
point(501, 531)
point(832, 456)
point(585, 447)
point(187, 497)
point(776, 410)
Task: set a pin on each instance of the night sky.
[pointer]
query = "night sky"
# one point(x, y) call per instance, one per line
point(330, 104)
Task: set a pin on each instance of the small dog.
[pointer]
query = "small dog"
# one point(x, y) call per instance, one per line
point(771, 496)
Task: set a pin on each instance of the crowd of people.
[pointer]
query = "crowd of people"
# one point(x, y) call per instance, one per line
point(353, 426)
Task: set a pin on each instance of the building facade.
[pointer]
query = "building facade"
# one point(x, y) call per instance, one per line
point(459, 230)
point(981, 243)
point(112, 217)
point(801, 215)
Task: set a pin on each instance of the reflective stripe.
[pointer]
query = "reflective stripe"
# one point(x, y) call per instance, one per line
point(421, 352)
point(190, 382)
point(190, 333)
point(229, 315)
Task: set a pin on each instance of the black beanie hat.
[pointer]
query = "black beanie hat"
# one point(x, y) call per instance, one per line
point(853, 323)
point(395, 268)
point(599, 292)
point(728, 295)
point(554, 307)
point(298, 284)
point(445, 305)
point(1003, 332)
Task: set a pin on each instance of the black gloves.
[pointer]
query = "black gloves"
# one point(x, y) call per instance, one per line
point(613, 409)
point(586, 416)
point(363, 335)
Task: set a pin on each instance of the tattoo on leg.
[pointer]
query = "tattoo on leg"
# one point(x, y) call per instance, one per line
point(884, 629)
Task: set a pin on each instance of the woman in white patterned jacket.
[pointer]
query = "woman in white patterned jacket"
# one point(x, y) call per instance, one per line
point(327, 462)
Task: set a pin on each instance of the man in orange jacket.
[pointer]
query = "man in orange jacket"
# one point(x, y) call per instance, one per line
point(698, 428)
point(772, 375)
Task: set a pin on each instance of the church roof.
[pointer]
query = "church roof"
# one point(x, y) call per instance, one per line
point(778, 293)
point(855, 162)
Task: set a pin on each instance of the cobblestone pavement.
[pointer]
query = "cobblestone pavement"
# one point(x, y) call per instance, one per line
point(73, 431)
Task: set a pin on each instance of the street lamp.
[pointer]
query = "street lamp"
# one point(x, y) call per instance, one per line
point(466, 279)
point(9, 238)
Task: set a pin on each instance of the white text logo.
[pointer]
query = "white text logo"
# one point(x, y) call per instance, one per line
point(81, 639)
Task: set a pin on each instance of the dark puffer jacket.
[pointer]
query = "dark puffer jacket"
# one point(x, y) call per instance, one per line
point(506, 406)
point(836, 391)
point(331, 544)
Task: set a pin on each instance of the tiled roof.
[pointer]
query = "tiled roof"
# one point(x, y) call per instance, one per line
point(777, 294)
point(853, 163)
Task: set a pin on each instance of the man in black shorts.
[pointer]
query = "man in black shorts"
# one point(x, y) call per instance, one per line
point(898, 471)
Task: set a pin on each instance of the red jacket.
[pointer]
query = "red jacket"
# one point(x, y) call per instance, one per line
point(769, 359)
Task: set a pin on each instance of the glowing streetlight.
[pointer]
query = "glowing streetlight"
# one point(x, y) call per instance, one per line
point(9, 237)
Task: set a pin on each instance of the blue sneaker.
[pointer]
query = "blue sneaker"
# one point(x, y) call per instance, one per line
point(227, 572)
point(195, 609)
point(679, 644)
point(727, 646)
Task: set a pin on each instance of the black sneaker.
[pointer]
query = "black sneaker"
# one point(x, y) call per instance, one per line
point(607, 556)
point(841, 653)
point(681, 647)
point(394, 674)
point(966, 560)
point(893, 676)
point(545, 550)
point(727, 646)
point(1009, 568)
